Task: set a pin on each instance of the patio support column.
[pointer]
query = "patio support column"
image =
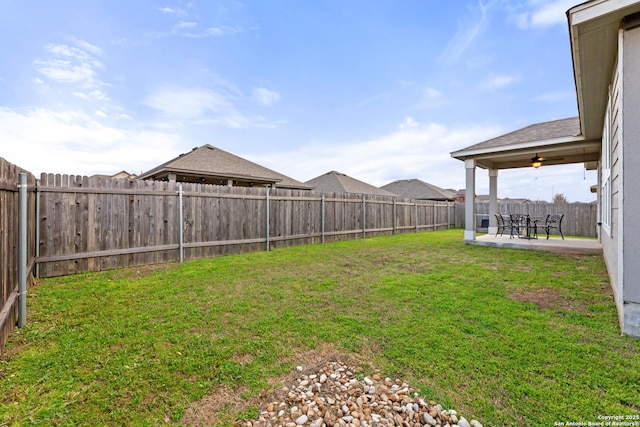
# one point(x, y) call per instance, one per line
point(493, 201)
point(470, 201)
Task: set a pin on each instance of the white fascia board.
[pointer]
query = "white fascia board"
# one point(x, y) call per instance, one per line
point(595, 9)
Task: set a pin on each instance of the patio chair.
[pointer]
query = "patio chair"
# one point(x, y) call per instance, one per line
point(503, 224)
point(517, 223)
point(553, 222)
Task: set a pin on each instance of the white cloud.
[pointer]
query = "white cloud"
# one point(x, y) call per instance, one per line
point(414, 150)
point(73, 142)
point(73, 65)
point(264, 96)
point(188, 103)
point(186, 25)
point(409, 123)
point(432, 93)
point(497, 81)
point(202, 106)
point(545, 13)
point(466, 34)
point(172, 11)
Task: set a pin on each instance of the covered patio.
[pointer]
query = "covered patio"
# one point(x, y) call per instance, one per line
point(550, 143)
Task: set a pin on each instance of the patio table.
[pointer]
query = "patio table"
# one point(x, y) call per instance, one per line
point(524, 226)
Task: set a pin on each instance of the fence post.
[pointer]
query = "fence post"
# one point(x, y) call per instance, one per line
point(415, 208)
point(267, 221)
point(322, 216)
point(22, 250)
point(364, 216)
point(181, 225)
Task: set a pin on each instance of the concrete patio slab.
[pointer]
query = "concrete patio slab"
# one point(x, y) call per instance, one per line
point(554, 244)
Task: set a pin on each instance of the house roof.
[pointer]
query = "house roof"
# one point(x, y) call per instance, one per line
point(417, 189)
point(564, 128)
point(557, 141)
point(336, 182)
point(211, 163)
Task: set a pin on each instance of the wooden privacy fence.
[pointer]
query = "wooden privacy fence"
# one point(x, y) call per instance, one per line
point(11, 249)
point(95, 223)
point(580, 219)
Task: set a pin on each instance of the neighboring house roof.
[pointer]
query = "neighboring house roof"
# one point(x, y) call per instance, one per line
point(123, 175)
point(420, 190)
point(336, 182)
point(119, 175)
point(212, 165)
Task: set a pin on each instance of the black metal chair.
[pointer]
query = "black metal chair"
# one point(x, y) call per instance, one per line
point(517, 223)
point(553, 222)
point(503, 224)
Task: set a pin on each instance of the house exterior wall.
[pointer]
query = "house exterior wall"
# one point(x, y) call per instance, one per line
point(629, 200)
point(609, 190)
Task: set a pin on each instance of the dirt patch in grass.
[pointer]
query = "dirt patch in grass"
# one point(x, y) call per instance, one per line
point(223, 405)
point(547, 298)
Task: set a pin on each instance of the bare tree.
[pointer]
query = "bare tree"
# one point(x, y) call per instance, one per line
point(560, 199)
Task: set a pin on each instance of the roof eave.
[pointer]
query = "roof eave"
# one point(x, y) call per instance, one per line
point(593, 29)
point(533, 145)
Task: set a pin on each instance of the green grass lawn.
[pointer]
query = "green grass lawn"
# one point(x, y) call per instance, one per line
point(510, 337)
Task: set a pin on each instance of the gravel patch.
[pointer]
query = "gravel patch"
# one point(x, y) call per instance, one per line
point(337, 395)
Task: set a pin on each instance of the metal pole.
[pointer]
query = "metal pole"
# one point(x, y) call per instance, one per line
point(395, 218)
point(322, 215)
point(435, 216)
point(22, 250)
point(181, 221)
point(364, 217)
point(37, 226)
point(267, 221)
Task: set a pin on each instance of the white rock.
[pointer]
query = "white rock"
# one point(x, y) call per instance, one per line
point(347, 418)
point(429, 419)
point(302, 419)
point(323, 378)
point(462, 422)
point(368, 381)
point(299, 368)
point(475, 423)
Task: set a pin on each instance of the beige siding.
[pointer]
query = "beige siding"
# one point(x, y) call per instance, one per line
point(630, 170)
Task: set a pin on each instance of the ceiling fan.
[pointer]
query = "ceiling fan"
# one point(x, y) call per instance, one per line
point(537, 161)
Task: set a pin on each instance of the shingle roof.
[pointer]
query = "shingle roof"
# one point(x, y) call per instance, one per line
point(336, 182)
point(208, 160)
point(563, 128)
point(417, 189)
